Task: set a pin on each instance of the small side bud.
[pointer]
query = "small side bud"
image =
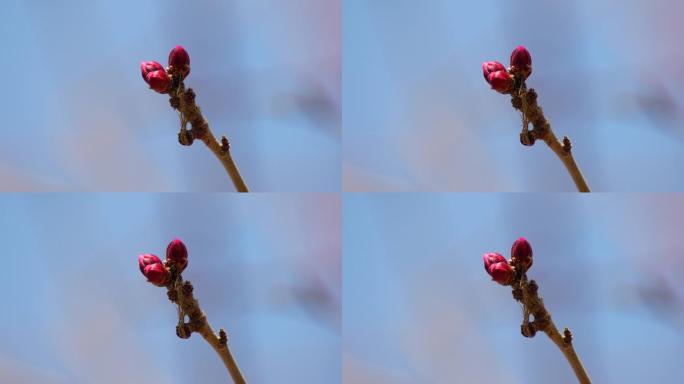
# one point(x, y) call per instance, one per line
point(567, 336)
point(223, 337)
point(187, 288)
point(528, 329)
point(183, 331)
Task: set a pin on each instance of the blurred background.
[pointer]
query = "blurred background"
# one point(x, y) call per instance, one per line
point(419, 307)
point(78, 116)
point(76, 308)
point(419, 116)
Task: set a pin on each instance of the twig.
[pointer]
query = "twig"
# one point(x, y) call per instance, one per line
point(527, 294)
point(184, 101)
point(513, 272)
point(180, 293)
point(526, 102)
point(511, 81)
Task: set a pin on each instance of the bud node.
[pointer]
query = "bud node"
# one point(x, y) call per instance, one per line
point(223, 337)
point(179, 61)
point(175, 102)
point(187, 288)
point(567, 145)
point(527, 138)
point(176, 252)
point(189, 96)
point(528, 329)
point(521, 254)
point(183, 331)
point(185, 137)
point(517, 294)
point(567, 336)
point(225, 144)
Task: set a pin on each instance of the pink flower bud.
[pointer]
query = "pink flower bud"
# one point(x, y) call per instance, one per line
point(498, 268)
point(501, 81)
point(153, 269)
point(521, 253)
point(489, 67)
point(159, 81)
point(502, 273)
point(179, 61)
point(521, 61)
point(491, 259)
point(177, 254)
point(147, 67)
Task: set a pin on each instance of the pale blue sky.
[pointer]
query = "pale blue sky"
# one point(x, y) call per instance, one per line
point(76, 308)
point(418, 115)
point(419, 307)
point(78, 116)
point(409, 302)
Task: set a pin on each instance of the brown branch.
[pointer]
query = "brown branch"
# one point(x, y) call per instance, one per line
point(526, 102)
point(180, 293)
point(527, 294)
point(184, 101)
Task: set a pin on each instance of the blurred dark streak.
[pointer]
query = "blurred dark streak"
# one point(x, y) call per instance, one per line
point(660, 107)
point(317, 299)
point(306, 98)
point(659, 296)
point(316, 103)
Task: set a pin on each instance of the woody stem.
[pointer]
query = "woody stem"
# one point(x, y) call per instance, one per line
point(184, 101)
point(526, 102)
point(568, 351)
point(527, 294)
point(181, 293)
